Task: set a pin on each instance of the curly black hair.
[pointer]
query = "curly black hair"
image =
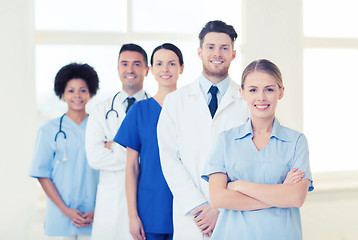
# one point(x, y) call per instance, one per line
point(76, 70)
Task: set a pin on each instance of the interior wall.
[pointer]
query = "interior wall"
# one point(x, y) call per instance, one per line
point(18, 117)
point(273, 30)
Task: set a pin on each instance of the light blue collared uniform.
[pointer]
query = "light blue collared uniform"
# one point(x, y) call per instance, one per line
point(75, 181)
point(236, 155)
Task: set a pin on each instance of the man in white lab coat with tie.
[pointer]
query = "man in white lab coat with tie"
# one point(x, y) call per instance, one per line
point(111, 215)
point(190, 120)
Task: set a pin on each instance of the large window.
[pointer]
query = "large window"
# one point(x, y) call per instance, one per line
point(330, 83)
point(92, 31)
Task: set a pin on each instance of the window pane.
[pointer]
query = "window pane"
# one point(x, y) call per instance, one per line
point(330, 18)
point(158, 16)
point(50, 58)
point(330, 115)
point(81, 15)
point(185, 16)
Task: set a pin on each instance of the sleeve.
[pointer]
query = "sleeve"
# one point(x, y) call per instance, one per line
point(179, 180)
point(128, 134)
point(301, 159)
point(43, 156)
point(216, 160)
point(98, 156)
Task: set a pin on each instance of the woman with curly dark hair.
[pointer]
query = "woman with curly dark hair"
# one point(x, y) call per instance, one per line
point(59, 160)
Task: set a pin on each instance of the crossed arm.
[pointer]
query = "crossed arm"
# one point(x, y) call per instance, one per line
point(245, 196)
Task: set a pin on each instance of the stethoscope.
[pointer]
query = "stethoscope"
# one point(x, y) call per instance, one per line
point(115, 111)
point(60, 131)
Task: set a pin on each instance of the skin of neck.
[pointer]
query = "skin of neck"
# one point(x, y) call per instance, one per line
point(77, 116)
point(214, 79)
point(162, 93)
point(262, 125)
point(131, 91)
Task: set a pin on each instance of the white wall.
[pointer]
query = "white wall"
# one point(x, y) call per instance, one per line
point(18, 117)
point(273, 30)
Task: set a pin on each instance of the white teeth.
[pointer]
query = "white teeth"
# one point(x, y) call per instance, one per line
point(166, 77)
point(261, 107)
point(216, 62)
point(130, 77)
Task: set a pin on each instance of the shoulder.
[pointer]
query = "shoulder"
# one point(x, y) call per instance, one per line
point(292, 135)
point(105, 103)
point(50, 127)
point(183, 92)
point(51, 123)
point(234, 133)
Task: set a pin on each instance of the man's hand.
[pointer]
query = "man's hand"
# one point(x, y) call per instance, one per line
point(205, 218)
point(108, 144)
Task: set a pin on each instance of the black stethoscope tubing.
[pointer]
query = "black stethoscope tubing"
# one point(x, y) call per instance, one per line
point(112, 109)
point(60, 129)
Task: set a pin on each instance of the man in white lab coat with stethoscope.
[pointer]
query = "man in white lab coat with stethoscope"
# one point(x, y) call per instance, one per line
point(111, 216)
point(189, 122)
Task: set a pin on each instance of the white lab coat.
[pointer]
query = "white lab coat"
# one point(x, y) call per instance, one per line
point(111, 216)
point(186, 133)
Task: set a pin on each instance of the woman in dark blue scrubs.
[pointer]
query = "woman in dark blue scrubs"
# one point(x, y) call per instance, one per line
point(148, 195)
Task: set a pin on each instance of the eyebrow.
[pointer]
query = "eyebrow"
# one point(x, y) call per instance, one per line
point(265, 86)
point(222, 45)
point(126, 61)
point(163, 61)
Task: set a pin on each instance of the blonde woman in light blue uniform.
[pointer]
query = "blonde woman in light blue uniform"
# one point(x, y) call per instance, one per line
point(259, 172)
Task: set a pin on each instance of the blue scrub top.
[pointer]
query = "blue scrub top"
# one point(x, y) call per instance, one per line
point(75, 181)
point(139, 132)
point(236, 155)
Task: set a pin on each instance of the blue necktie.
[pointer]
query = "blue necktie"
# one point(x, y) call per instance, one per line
point(213, 105)
point(130, 101)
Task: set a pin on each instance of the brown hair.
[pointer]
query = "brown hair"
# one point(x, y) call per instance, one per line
point(263, 65)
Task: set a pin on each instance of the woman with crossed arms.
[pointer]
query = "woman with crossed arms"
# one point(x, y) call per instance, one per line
point(259, 172)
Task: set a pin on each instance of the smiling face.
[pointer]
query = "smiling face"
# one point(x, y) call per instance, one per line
point(76, 95)
point(216, 54)
point(261, 92)
point(132, 69)
point(166, 68)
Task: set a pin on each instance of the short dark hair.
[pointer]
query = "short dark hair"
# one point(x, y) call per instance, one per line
point(219, 27)
point(76, 70)
point(171, 47)
point(134, 48)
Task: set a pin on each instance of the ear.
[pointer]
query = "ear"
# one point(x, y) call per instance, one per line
point(181, 69)
point(282, 93)
point(199, 53)
point(146, 72)
point(233, 54)
point(241, 91)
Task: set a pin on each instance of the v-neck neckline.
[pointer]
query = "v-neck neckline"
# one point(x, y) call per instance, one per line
point(76, 124)
point(262, 149)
